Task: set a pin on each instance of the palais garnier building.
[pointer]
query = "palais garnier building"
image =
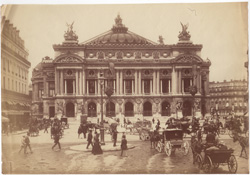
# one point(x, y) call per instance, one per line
point(136, 77)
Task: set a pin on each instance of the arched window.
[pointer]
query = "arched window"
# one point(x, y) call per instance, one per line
point(92, 109)
point(147, 109)
point(129, 109)
point(70, 110)
point(187, 108)
point(110, 109)
point(165, 109)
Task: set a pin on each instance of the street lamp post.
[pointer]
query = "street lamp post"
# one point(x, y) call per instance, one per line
point(193, 91)
point(101, 78)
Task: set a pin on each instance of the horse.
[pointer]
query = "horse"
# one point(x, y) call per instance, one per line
point(243, 143)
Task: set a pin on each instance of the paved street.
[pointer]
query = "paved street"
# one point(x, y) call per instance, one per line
point(73, 159)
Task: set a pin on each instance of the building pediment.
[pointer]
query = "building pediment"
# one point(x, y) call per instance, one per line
point(68, 58)
point(187, 58)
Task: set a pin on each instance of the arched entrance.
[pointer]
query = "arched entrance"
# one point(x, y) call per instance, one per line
point(92, 109)
point(129, 109)
point(147, 109)
point(187, 108)
point(165, 109)
point(110, 109)
point(70, 110)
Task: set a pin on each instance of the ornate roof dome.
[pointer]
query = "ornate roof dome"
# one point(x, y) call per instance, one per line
point(119, 34)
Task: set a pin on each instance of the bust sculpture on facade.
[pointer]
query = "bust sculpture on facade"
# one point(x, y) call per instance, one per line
point(161, 40)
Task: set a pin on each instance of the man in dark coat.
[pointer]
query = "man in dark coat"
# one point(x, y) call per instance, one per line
point(89, 139)
point(124, 146)
point(114, 137)
point(56, 141)
point(27, 144)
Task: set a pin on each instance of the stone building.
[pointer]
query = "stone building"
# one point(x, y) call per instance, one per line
point(14, 75)
point(229, 96)
point(148, 79)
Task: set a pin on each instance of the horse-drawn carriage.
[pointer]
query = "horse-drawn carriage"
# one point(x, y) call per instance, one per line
point(143, 128)
point(170, 140)
point(213, 158)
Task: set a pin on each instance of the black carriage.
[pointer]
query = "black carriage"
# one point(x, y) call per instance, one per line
point(214, 158)
point(64, 122)
point(170, 140)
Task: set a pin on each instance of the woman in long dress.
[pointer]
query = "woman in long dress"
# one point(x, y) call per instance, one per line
point(97, 147)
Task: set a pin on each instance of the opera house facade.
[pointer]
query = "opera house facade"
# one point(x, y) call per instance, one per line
point(134, 76)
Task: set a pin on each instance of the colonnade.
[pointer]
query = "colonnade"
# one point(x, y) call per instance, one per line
point(81, 83)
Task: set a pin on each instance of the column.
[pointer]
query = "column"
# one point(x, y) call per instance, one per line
point(174, 80)
point(44, 87)
point(114, 86)
point(121, 84)
point(83, 82)
point(161, 88)
point(198, 82)
point(133, 87)
point(99, 89)
point(169, 86)
point(74, 87)
point(65, 82)
point(117, 82)
point(154, 82)
point(95, 86)
point(136, 79)
point(80, 83)
point(182, 86)
point(207, 83)
point(139, 92)
point(56, 90)
point(151, 88)
point(87, 87)
point(158, 82)
point(77, 93)
point(191, 82)
point(142, 86)
point(124, 85)
point(61, 81)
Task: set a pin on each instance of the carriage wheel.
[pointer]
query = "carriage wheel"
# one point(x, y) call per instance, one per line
point(159, 146)
point(216, 165)
point(207, 165)
point(198, 161)
point(232, 164)
point(168, 148)
point(185, 147)
point(230, 132)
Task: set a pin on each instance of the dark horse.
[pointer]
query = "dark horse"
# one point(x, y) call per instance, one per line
point(243, 143)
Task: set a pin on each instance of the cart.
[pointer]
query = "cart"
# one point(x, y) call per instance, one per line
point(170, 140)
point(214, 158)
point(64, 121)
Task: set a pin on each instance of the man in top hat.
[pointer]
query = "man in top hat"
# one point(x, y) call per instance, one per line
point(89, 139)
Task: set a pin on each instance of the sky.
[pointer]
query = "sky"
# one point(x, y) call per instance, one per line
point(221, 28)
